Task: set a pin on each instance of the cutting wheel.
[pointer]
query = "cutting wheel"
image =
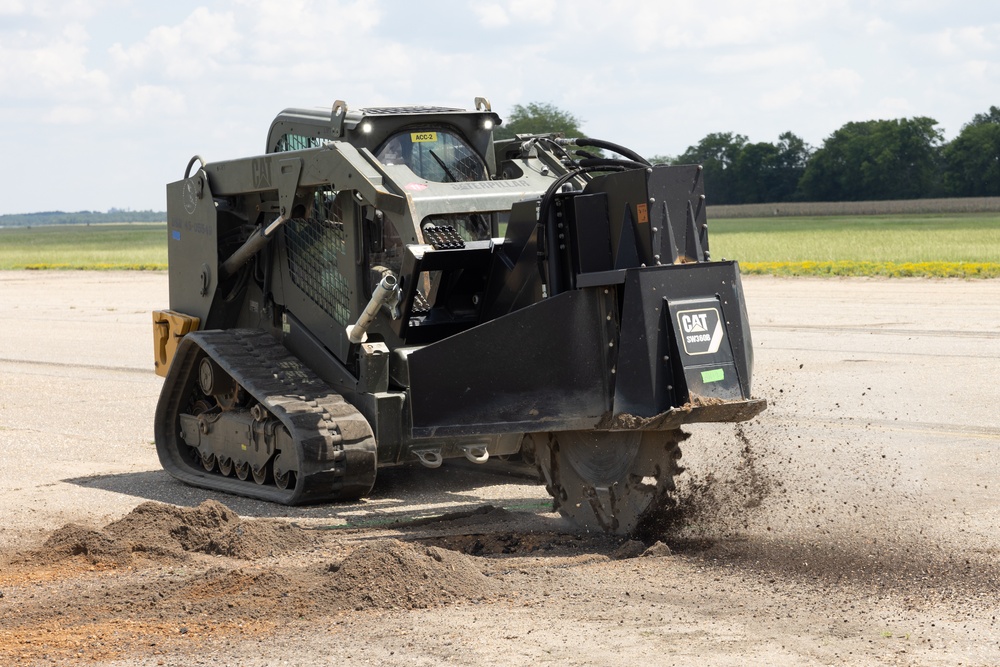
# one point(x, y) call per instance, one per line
point(609, 481)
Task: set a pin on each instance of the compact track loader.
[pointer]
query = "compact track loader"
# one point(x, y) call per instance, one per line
point(392, 285)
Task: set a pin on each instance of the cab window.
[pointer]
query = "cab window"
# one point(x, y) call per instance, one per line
point(297, 142)
point(435, 154)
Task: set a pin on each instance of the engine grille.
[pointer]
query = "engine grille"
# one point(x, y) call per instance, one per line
point(314, 249)
point(397, 111)
point(469, 226)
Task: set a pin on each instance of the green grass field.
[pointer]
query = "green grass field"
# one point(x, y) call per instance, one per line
point(112, 246)
point(943, 245)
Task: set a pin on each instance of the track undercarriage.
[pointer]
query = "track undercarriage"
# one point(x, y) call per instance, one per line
point(233, 431)
point(242, 415)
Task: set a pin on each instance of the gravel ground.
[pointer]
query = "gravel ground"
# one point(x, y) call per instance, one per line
point(854, 522)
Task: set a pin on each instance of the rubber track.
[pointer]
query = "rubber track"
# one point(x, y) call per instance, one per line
point(335, 443)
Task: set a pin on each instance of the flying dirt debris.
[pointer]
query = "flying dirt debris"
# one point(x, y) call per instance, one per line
point(389, 285)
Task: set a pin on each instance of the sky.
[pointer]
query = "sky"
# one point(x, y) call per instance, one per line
point(103, 102)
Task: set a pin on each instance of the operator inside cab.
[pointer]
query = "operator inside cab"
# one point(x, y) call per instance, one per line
point(435, 154)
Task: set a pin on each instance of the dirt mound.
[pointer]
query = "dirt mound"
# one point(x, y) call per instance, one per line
point(256, 539)
point(227, 594)
point(629, 549)
point(169, 532)
point(389, 574)
point(167, 525)
point(75, 540)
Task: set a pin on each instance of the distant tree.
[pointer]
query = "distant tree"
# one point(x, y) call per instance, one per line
point(972, 159)
point(767, 172)
point(538, 118)
point(991, 116)
point(543, 118)
point(662, 159)
point(877, 159)
point(717, 153)
point(793, 158)
point(79, 217)
point(755, 173)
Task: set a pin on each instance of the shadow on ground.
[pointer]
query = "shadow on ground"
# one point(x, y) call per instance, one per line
point(400, 494)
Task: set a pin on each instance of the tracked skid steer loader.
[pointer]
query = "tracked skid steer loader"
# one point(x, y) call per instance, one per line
point(392, 285)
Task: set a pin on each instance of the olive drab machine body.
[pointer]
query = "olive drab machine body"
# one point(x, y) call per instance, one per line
point(390, 285)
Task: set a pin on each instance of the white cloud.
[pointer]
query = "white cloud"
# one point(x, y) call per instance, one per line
point(520, 12)
point(655, 26)
point(959, 42)
point(491, 15)
point(32, 66)
point(69, 115)
point(980, 71)
point(12, 7)
point(893, 107)
point(56, 10)
point(183, 51)
point(877, 26)
point(335, 32)
point(766, 59)
point(157, 100)
point(543, 11)
point(782, 97)
point(836, 83)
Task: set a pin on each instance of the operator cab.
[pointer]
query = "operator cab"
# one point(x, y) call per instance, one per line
point(438, 144)
point(415, 147)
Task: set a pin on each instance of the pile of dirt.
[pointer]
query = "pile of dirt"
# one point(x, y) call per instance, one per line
point(74, 539)
point(249, 540)
point(71, 598)
point(156, 530)
point(389, 574)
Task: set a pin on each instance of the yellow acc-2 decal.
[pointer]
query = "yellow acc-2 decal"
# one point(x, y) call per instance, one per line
point(421, 137)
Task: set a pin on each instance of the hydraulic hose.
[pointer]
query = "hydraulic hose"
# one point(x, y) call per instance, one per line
point(621, 150)
point(610, 162)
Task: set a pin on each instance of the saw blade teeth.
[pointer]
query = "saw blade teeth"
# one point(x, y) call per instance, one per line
point(603, 477)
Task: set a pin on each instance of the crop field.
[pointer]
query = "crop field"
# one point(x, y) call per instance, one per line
point(965, 245)
point(934, 245)
point(898, 207)
point(112, 246)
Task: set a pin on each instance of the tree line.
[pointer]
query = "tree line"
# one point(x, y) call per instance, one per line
point(80, 217)
point(904, 158)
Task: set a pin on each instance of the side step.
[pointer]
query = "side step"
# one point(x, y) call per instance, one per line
point(336, 449)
